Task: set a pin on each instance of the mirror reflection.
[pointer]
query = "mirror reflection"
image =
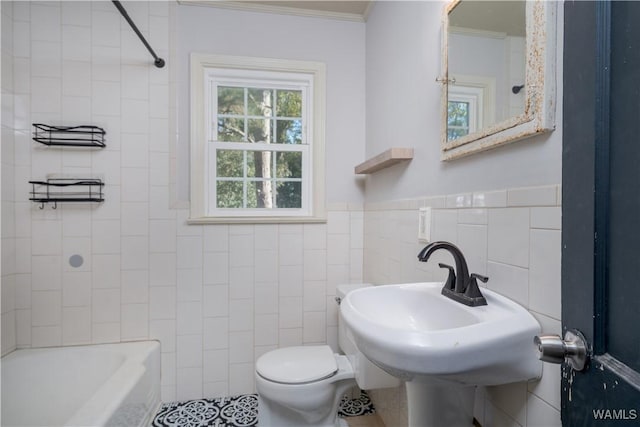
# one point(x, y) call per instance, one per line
point(486, 65)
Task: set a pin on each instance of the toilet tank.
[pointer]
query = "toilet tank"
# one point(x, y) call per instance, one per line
point(368, 375)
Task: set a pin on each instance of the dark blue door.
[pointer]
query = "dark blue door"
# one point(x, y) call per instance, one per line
point(601, 210)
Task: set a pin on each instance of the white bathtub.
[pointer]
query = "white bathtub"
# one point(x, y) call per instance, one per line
point(93, 385)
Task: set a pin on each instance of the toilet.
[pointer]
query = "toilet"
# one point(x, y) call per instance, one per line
point(302, 386)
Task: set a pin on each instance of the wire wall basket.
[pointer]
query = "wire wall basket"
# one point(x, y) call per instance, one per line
point(55, 190)
point(69, 136)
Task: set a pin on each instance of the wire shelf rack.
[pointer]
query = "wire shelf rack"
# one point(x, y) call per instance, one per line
point(69, 136)
point(55, 190)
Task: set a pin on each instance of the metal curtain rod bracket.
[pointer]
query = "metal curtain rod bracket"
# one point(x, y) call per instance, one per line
point(159, 62)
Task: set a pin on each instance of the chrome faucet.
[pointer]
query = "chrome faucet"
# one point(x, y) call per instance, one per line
point(459, 286)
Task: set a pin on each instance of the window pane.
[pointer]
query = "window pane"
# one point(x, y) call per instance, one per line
point(230, 100)
point(260, 130)
point(229, 194)
point(248, 176)
point(289, 194)
point(260, 194)
point(259, 164)
point(289, 103)
point(457, 119)
point(231, 130)
point(229, 163)
point(456, 133)
point(289, 164)
point(289, 132)
point(458, 114)
point(260, 102)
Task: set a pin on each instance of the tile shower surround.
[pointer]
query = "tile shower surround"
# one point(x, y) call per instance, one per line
point(216, 296)
point(512, 236)
point(9, 261)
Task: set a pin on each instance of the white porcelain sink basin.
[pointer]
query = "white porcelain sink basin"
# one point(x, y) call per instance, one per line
point(417, 334)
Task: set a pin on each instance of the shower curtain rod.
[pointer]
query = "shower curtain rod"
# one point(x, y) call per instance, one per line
point(159, 62)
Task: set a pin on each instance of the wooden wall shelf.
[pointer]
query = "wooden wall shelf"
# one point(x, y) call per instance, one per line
point(383, 160)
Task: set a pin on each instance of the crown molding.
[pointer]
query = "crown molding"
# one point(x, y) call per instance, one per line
point(477, 33)
point(281, 10)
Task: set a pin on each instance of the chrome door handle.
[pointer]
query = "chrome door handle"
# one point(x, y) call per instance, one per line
point(572, 350)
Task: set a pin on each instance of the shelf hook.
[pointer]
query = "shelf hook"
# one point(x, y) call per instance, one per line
point(516, 89)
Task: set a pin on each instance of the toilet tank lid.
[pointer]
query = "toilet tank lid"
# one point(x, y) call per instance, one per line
point(296, 365)
point(343, 290)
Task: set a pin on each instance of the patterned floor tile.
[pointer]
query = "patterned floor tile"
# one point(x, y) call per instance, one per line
point(239, 411)
point(356, 407)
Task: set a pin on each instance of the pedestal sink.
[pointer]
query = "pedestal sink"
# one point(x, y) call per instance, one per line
point(442, 348)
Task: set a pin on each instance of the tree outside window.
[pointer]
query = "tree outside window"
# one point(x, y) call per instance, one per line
point(264, 178)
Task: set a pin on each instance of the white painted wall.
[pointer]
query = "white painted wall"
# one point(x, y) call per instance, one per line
point(517, 69)
point(339, 44)
point(403, 110)
point(483, 57)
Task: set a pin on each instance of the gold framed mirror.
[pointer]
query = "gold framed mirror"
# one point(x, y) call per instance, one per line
point(499, 72)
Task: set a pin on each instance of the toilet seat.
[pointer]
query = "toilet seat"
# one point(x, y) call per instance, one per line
point(297, 365)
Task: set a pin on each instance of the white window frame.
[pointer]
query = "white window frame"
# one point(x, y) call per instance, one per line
point(205, 69)
point(483, 88)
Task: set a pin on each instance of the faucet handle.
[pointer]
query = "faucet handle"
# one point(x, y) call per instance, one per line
point(451, 278)
point(473, 290)
point(480, 277)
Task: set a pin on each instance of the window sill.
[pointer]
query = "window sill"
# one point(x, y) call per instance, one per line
point(256, 220)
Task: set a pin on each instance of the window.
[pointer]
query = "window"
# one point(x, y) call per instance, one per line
point(458, 122)
point(463, 114)
point(470, 105)
point(257, 140)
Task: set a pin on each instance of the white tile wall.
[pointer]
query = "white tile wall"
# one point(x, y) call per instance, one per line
point(215, 296)
point(512, 236)
point(509, 236)
point(11, 297)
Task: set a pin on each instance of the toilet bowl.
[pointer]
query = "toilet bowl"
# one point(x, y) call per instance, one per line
point(302, 386)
